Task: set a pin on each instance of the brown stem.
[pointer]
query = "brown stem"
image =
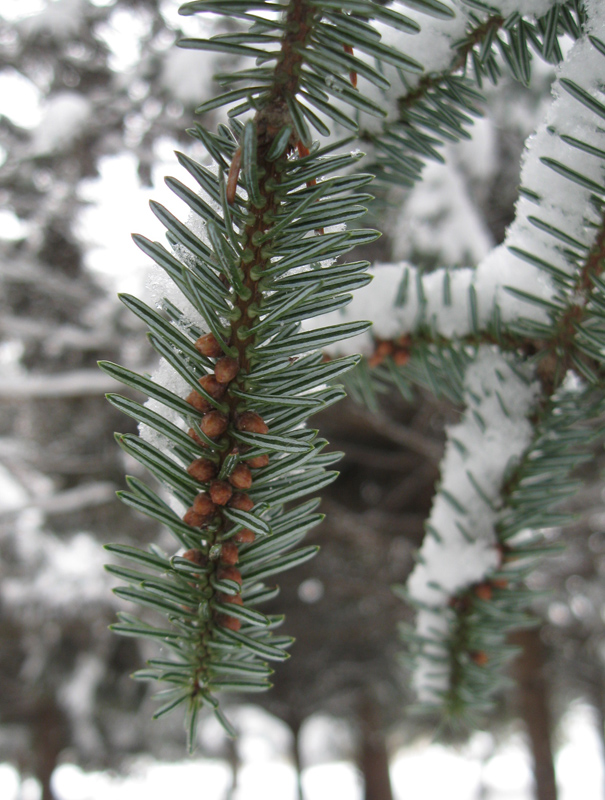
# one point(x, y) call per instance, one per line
point(475, 36)
point(559, 348)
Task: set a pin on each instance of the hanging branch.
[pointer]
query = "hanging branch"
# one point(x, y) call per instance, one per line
point(224, 429)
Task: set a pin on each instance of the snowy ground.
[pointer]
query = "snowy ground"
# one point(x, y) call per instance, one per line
point(423, 772)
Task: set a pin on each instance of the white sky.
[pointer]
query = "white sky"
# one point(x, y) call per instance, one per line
point(120, 205)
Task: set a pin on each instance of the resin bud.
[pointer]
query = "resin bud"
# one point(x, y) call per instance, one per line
point(208, 346)
point(229, 554)
point(483, 591)
point(210, 384)
point(230, 574)
point(480, 658)
point(251, 422)
point(197, 557)
point(241, 477)
point(245, 536)
point(226, 369)
point(202, 469)
point(225, 621)
point(231, 599)
point(203, 504)
point(220, 492)
point(214, 424)
point(242, 502)
point(200, 403)
point(257, 462)
point(194, 518)
point(191, 432)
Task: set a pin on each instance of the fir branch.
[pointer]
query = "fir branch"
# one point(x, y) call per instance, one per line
point(441, 106)
point(459, 653)
point(547, 313)
point(473, 642)
point(224, 429)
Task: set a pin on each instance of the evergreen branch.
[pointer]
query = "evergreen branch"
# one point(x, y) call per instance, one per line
point(460, 647)
point(314, 53)
point(223, 430)
point(548, 314)
point(441, 106)
point(457, 663)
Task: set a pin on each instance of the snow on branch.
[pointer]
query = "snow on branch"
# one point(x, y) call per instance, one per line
point(80, 497)
point(461, 546)
point(529, 277)
point(534, 8)
point(492, 434)
point(77, 383)
point(508, 462)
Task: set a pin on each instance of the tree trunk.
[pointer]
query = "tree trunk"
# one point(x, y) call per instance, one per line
point(597, 699)
point(373, 756)
point(233, 761)
point(48, 739)
point(296, 757)
point(600, 709)
point(533, 695)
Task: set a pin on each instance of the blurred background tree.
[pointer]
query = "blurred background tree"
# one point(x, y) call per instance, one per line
point(91, 86)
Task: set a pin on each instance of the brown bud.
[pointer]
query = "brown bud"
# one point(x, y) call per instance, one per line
point(480, 657)
point(229, 574)
point(195, 519)
point(483, 591)
point(245, 536)
point(229, 554)
point(210, 384)
point(226, 369)
point(241, 477)
point(214, 424)
point(196, 557)
point(191, 432)
point(202, 469)
point(233, 176)
point(225, 621)
point(381, 351)
point(401, 357)
point(252, 423)
point(231, 599)
point(220, 492)
point(258, 461)
point(500, 583)
point(384, 348)
point(200, 403)
point(203, 504)
point(375, 360)
point(242, 502)
point(207, 346)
